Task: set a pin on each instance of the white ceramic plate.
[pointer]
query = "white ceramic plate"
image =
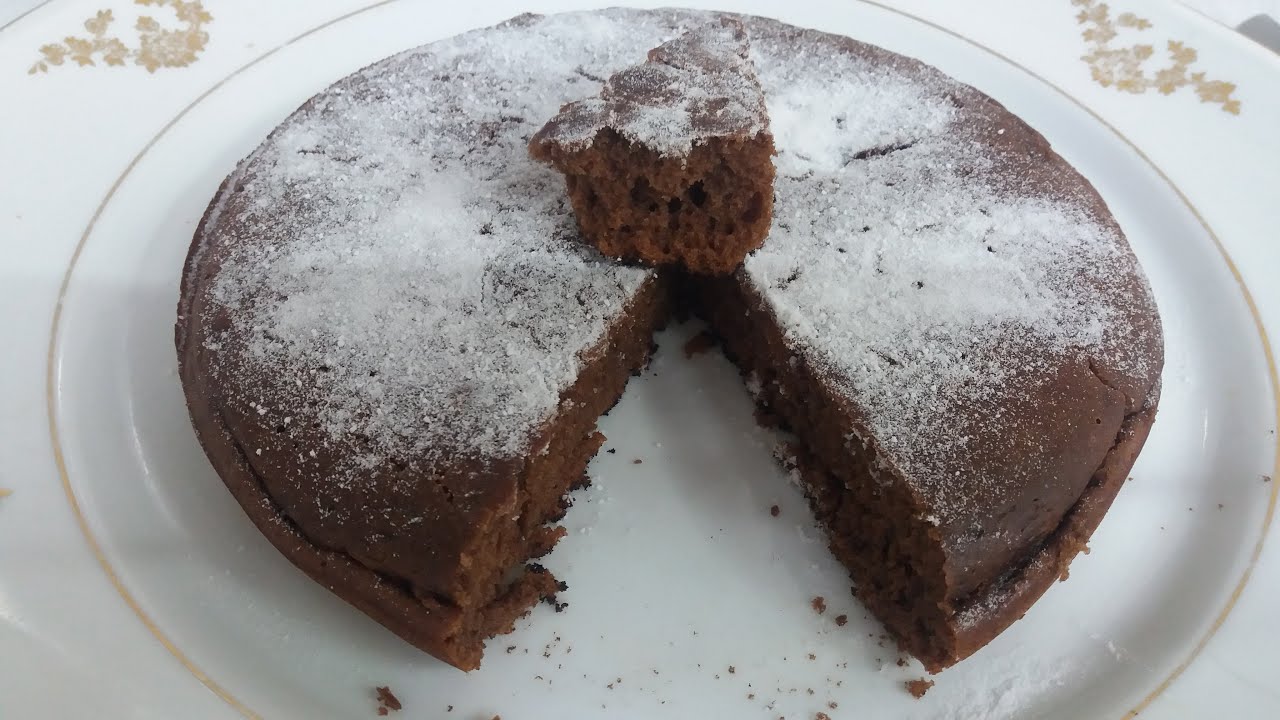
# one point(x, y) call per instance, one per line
point(677, 571)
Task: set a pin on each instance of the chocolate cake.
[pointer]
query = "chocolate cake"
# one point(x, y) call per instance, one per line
point(395, 346)
point(671, 163)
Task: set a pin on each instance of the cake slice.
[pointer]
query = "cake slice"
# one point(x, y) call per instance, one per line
point(671, 163)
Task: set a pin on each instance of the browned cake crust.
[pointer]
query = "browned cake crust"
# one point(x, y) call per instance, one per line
point(698, 193)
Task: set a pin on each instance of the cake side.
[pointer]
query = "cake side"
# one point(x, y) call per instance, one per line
point(671, 163)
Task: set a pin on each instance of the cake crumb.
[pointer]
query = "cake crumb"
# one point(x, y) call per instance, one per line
point(918, 688)
point(812, 656)
point(766, 418)
point(637, 461)
point(832, 705)
point(775, 511)
point(387, 700)
point(449, 709)
point(510, 649)
point(732, 670)
point(819, 604)
point(822, 716)
point(902, 662)
point(1266, 478)
point(699, 344)
point(612, 451)
point(842, 620)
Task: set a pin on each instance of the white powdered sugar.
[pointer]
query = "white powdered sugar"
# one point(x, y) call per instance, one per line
point(826, 106)
point(1011, 686)
point(916, 286)
point(697, 86)
point(399, 262)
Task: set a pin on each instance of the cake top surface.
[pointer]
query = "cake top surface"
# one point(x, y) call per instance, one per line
point(395, 271)
point(698, 86)
point(938, 266)
point(391, 269)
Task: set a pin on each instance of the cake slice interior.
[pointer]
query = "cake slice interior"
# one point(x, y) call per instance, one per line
point(500, 581)
point(874, 526)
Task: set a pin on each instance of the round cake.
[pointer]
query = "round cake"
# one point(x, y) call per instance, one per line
point(395, 346)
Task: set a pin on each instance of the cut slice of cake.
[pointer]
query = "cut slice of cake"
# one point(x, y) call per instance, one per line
point(672, 163)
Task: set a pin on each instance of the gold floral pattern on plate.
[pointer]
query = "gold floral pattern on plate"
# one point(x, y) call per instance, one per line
point(1123, 67)
point(158, 46)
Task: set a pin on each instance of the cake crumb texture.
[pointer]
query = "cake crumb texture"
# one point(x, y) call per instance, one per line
point(919, 687)
point(672, 163)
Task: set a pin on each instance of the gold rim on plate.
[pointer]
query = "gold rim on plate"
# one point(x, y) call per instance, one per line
point(238, 705)
point(23, 14)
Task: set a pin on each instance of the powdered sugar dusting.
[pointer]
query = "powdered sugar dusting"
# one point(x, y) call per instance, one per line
point(397, 260)
point(1006, 687)
point(825, 107)
point(698, 86)
point(914, 283)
